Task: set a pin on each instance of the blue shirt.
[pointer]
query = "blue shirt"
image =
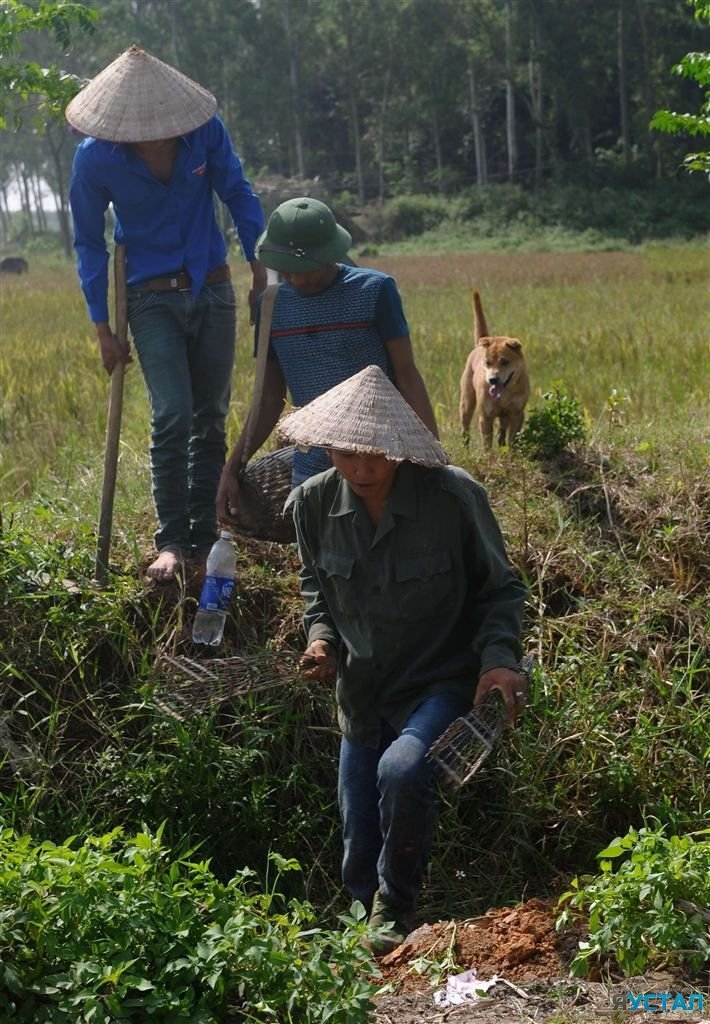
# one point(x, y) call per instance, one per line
point(165, 227)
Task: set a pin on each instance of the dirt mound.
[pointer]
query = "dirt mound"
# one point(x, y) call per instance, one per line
point(519, 944)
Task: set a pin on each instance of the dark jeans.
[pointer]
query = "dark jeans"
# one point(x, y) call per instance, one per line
point(388, 805)
point(185, 347)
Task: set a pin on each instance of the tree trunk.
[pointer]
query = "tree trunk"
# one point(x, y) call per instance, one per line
point(5, 215)
point(381, 132)
point(23, 180)
point(295, 90)
point(36, 186)
point(437, 153)
point(510, 92)
point(355, 117)
point(535, 79)
point(651, 141)
point(479, 142)
point(55, 148)
point(623, 95)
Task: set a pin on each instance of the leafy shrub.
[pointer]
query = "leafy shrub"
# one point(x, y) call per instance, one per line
point(113, 930)
point(558, 424)
point(413, 215)
point(650, 908)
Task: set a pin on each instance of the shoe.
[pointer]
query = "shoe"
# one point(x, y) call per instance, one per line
point(389, 925)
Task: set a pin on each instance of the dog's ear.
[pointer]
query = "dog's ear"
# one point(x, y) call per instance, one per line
point(514, 344)
point(485, 342)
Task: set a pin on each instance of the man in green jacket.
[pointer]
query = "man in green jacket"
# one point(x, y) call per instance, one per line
point(412, 608)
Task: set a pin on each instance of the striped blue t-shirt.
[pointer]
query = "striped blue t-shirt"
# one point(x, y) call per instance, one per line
point(321, 340)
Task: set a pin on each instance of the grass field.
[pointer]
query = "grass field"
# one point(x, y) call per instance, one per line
point(610, 536)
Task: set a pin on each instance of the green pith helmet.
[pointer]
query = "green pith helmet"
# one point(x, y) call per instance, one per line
point(302, 235)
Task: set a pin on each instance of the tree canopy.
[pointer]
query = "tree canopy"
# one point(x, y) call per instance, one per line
point(380, 98)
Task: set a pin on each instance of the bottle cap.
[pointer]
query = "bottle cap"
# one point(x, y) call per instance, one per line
point(225, 534)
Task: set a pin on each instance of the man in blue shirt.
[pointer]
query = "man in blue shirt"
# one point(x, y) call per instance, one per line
point(157, 153)
point(330, 320)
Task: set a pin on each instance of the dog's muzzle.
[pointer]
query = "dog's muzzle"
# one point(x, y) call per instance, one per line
point(496, 388)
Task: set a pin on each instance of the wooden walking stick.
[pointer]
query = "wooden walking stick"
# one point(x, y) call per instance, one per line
point(113, 425)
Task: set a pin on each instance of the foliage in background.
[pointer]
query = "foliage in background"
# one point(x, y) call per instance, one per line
point(116, 929)
point(416, 92)
point(696, 67)
point(651, 909)
point(22, 79)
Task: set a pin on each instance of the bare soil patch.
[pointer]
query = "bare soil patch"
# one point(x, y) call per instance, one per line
point(520, 946)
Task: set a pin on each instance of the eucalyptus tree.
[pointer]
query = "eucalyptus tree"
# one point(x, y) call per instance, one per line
point(34, 87)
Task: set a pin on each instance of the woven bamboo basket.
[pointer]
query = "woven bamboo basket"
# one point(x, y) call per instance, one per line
point(264, 486)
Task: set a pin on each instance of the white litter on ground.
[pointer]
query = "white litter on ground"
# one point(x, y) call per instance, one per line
point(463, 988)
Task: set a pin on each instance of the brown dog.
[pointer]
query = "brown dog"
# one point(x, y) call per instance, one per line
point(494, 382)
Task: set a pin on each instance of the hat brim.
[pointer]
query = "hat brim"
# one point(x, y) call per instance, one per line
point(293, 260)
point(366, 414)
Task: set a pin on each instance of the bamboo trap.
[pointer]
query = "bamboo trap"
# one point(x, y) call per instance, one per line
point(462, 748)
point(184, 686)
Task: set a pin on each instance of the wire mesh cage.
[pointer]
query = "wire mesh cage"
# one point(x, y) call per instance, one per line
point(183, 686)
point(462, 748)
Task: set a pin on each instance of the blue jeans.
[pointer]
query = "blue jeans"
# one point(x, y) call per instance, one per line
point(388, 805)
point(186, 347)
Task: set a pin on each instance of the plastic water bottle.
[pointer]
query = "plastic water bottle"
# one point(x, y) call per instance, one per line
point(208, 627)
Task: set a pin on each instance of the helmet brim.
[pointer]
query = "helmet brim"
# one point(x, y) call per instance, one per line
point(294, 260)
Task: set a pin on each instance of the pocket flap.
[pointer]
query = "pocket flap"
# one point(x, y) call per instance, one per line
point(422, 567)
point(334, 564)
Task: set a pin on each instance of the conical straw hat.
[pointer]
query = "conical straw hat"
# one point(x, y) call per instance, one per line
point(138, 98)
point(366, 413)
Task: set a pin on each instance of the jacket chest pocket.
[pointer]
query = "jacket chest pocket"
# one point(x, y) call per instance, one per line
point(336, 571)
point(423, 585)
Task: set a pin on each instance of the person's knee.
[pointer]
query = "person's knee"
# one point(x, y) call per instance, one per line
point(403, 764)
point(171, 424)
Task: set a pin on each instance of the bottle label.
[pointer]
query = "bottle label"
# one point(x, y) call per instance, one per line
point(216, 592)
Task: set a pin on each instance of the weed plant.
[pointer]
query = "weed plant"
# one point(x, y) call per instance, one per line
point(651, 907)
point(609, 534)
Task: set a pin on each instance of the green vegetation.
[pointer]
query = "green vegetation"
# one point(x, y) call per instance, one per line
point(555, 426)
point(113, 930)
point(653, 907)
point(609, 534)
point(696, 67)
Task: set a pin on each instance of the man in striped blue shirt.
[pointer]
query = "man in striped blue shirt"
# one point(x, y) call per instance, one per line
point(330, 321)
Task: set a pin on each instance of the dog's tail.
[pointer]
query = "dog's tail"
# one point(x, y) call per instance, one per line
point(479, 319)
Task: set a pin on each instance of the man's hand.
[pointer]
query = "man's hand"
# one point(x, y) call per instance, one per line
point(319, 662)
point(258, 284)
point(512, 685)
point(228, 491)
point(110, 348)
